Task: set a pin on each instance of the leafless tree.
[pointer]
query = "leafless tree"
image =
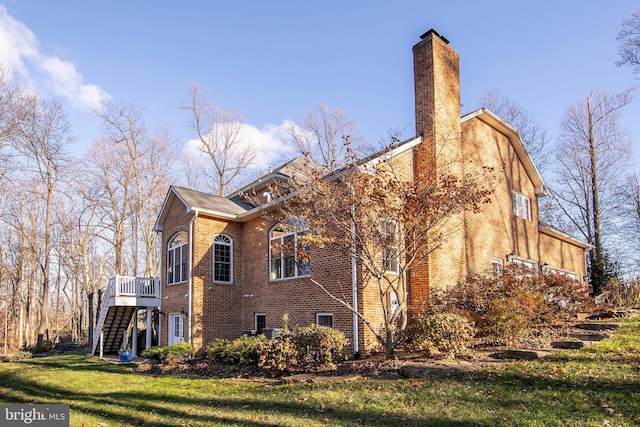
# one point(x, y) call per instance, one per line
point(220, 138)
point(629, 38)
point(43, 137)
point(132, 169)
point(327, 138)
point(592, 155)
point(533, 135)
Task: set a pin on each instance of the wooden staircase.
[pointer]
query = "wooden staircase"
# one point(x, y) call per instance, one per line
point(124, 296)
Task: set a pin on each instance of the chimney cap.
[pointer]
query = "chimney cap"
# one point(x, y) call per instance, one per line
point(434, 32)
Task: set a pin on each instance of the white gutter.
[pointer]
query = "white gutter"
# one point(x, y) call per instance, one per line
point(190, 278)
point(354, 285)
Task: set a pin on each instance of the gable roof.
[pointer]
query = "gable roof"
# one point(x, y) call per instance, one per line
point(201, 202)
point(501, 126)
point(297, 168)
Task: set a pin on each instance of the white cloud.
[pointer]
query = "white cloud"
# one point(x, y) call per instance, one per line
point(20, 51)
point(269, 141)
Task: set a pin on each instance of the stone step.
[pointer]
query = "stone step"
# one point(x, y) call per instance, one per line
point(595, 326)
point(523, 354)
point(585, 336)
point(568, 345)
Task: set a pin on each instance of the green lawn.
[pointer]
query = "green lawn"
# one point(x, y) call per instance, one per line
point(596, 386)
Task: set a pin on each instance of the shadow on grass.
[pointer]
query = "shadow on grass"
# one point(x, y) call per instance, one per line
point(494, 397)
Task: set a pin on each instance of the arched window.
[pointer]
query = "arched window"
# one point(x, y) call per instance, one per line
point(177, 253)
point(287, 255)
point(222, 259)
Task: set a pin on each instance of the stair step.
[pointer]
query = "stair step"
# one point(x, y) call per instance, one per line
point(568, 345)
point(594, 326)
point(585, 336)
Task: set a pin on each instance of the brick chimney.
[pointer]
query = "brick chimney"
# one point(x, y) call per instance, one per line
point(436, 70)
point(437, 97)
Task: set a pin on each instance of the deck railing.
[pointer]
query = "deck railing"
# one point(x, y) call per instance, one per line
point(140, 287)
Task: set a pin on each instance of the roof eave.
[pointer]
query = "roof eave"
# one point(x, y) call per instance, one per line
point(554, 232)
point(497, 123)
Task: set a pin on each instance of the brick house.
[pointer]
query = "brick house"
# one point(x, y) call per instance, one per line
point(222, 271)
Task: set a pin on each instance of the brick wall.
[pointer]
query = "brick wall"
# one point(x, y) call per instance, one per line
point(298, 297)
point(174, 297)
point(215, 305)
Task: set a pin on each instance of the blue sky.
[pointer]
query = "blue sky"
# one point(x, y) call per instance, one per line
point(274, 61)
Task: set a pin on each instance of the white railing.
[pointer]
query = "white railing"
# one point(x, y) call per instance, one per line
point(141, 287)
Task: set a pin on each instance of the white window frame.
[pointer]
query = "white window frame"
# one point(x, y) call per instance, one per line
point(226, 241)
point(286, 265)
point(176, 320)
point(521, 205)
point(525, 262)
point(173, 254)
point(557, 270)
point(264, 315)
point(389, 240)
point(324, 315)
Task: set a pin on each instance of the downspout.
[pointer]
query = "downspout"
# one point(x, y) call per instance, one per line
point(354, 283)
point(190, 277)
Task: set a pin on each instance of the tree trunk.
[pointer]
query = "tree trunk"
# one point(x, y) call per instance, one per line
point(90, 304)
point(597, 266)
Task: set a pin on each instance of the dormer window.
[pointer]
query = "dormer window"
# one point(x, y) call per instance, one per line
point(521, 206)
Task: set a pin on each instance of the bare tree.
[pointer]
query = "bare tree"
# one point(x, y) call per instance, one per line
point(327, 138)
point(533, 135)
point(629, 38)
point(592, 154)
point(133, 170)
point(43, 137)
point(389, 224)
point(220, 138)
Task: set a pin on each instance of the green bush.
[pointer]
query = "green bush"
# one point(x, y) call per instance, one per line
point(177, 353)
point(241, 351)
point(153, 353)
point(443, 335)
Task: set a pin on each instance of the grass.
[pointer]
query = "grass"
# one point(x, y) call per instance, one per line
point(595, 386)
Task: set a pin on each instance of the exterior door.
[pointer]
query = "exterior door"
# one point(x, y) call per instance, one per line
point(176, 328)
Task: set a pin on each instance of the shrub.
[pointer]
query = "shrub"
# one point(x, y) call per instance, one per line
point(153, 353)
point(318, 346)
point(277, 355)
point(21, 355)
point(510, 306)
point(177, 353)
point(311, 347)
point(443, 335)
point(241, 351)
point(46, 346)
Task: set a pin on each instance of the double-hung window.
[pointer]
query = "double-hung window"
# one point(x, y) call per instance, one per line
point(285, 254)
point(177, 253)
point(222, 259)
point(521, 205)
point(389, 238)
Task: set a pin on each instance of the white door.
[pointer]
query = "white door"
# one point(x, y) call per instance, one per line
point(176, 328)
